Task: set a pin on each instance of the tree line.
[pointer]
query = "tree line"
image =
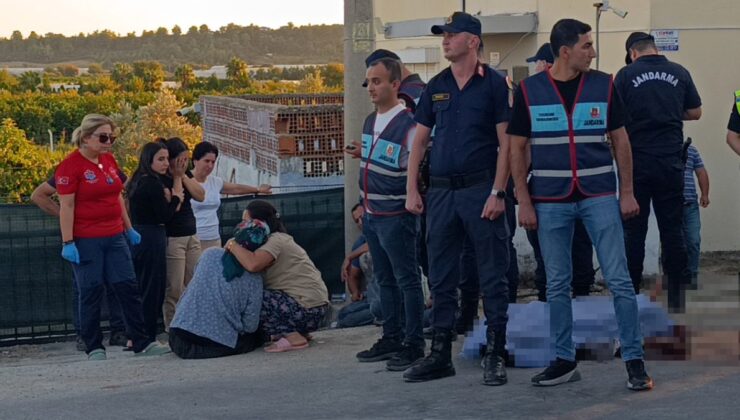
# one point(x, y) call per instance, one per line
point(198, 45)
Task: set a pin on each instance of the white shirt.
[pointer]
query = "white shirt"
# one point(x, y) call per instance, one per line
point(382, 121)
point(206, 212)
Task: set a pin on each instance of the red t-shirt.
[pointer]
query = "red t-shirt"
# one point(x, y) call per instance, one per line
point(97, 189)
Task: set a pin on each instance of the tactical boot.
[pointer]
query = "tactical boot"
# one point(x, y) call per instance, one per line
point(439, 362)
point(494, 370)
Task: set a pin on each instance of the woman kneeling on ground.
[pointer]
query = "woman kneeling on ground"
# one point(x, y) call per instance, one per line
point(220, 310)
point(295, 298)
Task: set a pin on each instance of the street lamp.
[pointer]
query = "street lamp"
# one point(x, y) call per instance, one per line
point(603, 6)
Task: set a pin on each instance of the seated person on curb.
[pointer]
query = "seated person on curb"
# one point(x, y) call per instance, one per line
point(295, 299)
point(365, 306)
point(220, 310)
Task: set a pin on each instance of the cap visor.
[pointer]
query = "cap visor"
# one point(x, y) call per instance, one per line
point(531, 59)
point(440, 29)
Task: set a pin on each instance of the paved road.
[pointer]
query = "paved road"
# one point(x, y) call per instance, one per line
point(325, 381)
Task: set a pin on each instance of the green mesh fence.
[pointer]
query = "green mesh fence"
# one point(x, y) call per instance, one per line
point(36, 284)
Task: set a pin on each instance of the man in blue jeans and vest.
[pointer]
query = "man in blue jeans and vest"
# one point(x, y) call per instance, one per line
point(391, 231)
point(566, 114)
point(467, 104)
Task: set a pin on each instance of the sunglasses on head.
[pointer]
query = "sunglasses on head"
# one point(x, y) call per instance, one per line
point(105, 138)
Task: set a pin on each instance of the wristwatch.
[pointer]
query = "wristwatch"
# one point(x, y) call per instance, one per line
point(501, 194)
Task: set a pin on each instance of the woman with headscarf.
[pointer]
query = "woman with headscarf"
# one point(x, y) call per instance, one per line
point(295, 298)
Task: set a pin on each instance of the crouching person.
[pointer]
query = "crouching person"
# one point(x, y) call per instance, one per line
point(295, 299)
point(219, 312)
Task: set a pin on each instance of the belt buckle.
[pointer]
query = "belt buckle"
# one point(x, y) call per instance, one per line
point(457, 182)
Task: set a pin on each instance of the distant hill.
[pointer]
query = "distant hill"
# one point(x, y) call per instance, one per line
point(199, 46)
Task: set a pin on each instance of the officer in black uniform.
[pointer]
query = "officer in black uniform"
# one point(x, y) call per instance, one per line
point(658, 95)
point(468, 106)
point(733, 126)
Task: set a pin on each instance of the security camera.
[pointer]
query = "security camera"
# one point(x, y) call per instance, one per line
point(619, 12)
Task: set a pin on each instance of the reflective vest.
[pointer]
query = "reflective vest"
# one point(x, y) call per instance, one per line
point(737, 100)
point(383, 165)
point(569, 148)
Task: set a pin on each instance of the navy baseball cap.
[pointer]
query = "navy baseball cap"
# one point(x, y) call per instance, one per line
point(378, 54)
point(459, 22)
point(634, 38)
point(544, 53)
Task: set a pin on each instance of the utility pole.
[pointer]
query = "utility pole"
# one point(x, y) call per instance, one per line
point(359, 42)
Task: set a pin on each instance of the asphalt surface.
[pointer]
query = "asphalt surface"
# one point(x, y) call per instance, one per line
point(54, 381)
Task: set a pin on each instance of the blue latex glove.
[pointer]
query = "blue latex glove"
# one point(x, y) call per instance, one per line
point(133, 236)
point(70, 253)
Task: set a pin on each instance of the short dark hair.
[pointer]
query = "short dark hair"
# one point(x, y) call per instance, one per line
point(203, 148)
point(641, 46)
point(392, 65)
point(565, 33)
point(356, 206)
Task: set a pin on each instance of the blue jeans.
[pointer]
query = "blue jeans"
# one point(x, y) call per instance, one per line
point(113, 309)
point(392, 242)
point(603, 221)
point(356, 314)
point(692, 235)
point(107, 261)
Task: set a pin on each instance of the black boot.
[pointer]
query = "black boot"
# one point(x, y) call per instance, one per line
point(494, 370)
point(439, 362)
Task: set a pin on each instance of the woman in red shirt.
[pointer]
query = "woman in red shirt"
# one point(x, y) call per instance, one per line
point(93, 219)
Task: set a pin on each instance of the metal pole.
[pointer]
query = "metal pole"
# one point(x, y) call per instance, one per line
point(359, 42)
point(598, 18)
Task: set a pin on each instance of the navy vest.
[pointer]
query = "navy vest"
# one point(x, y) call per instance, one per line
point(569, 148)
point(383, 165)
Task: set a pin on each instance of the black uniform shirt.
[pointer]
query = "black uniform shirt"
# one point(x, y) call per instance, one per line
point(656, 93)
point(464, 120)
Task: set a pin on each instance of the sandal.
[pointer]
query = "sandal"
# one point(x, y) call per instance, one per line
point(284, 345)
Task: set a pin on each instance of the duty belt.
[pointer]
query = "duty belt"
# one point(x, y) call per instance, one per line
point(457, 182)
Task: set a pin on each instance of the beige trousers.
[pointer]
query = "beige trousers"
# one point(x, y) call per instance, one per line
point(211, 243)
point(182, 254)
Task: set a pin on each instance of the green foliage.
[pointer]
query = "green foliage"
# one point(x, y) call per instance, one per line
point(238, 72)
point(185, 75)
point(201, 46)
point(158, 119)
point(29, 81)
point(23, 165)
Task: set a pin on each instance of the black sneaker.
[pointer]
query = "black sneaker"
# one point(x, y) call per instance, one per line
point(559, 372)
point(383, 349)
point(405, 358)
point(118, 338)
point(638, 379)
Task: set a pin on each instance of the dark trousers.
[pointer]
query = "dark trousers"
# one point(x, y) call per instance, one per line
point(150, 265)
point(582, 254)
point(392, 242)
point(187, 345)
point(107, 261)
point(451, 216)
point(469, 287)
point(659, 180)
point(110, 309)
